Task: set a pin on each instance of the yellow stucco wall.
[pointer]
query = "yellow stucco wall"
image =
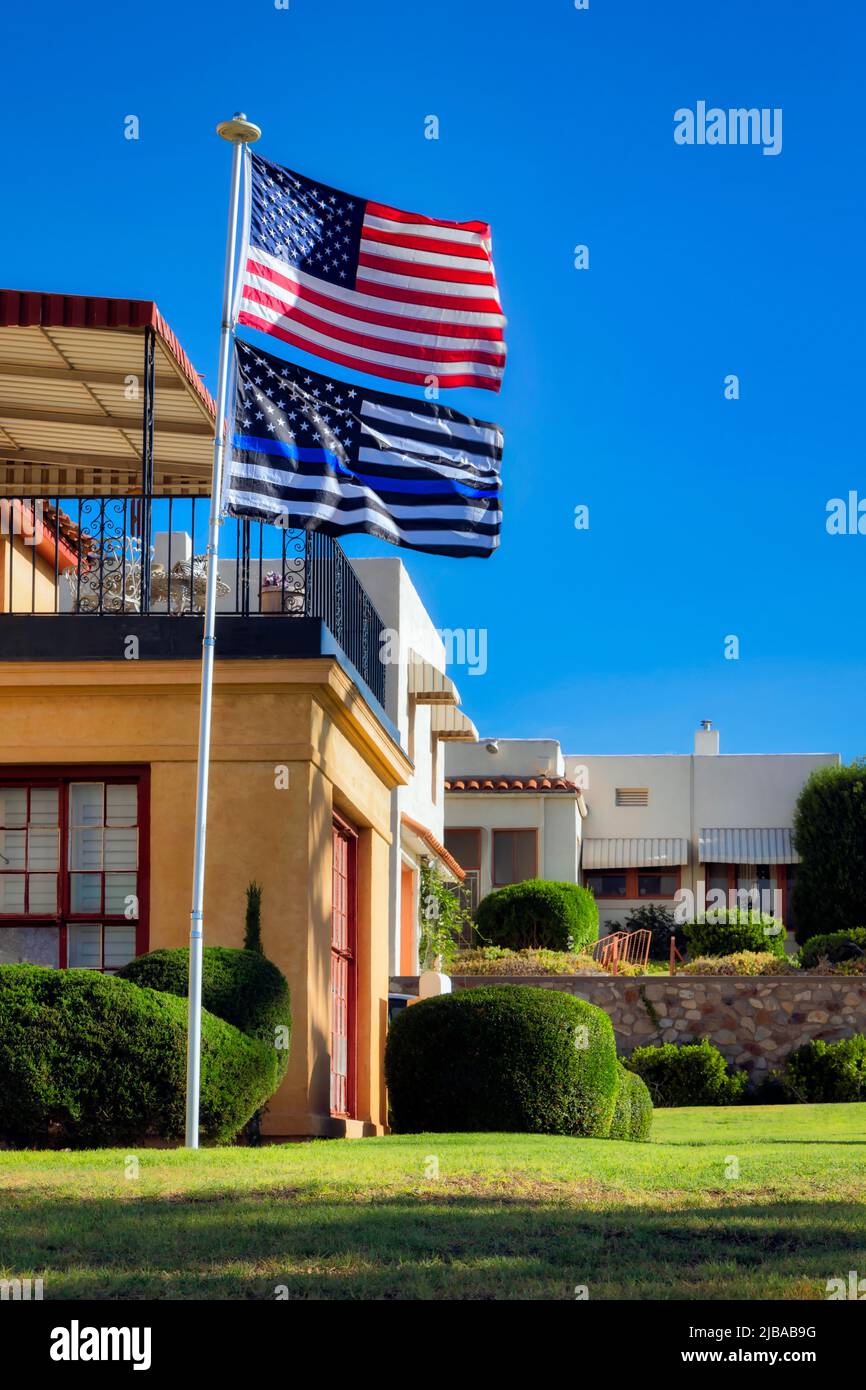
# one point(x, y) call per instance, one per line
point(301, 716)
point(27, 583)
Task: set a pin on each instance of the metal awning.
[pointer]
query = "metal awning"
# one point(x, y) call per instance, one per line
point(76, 375)
point(428, 685)
point(737, 845)
point(449, 722)
point(634, 853)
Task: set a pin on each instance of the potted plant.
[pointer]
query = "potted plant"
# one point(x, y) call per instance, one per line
point(273, 587)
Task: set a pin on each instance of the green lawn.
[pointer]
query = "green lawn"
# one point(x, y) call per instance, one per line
point(509, 1216)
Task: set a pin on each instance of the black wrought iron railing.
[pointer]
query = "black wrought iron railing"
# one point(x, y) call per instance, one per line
point(101, 555)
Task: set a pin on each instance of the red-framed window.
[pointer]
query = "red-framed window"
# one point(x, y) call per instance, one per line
point(760, 879)
point(73, 866)
point(633, 883)
point(515, 856)
point(464, 842)
point(343, 967)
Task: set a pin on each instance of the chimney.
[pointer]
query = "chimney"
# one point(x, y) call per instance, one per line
point(706, 740)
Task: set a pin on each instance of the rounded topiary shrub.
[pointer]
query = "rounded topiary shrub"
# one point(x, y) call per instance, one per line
point(242, 987)
point(502, 1057)
point(633, 1111)
point(687, 1074)
point(89, 1059)
point(539, 912)
point(822, 1071)
point(730, 930)
point(833, 946)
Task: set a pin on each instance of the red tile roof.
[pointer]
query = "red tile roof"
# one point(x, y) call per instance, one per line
point(435, 845)
point(511, 784)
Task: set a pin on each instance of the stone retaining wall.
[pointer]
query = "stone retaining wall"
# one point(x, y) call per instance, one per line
point(755, 1021)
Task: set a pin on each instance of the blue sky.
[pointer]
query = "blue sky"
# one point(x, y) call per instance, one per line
point(707, 516)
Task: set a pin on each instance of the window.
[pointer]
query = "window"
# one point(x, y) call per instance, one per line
point(29, 850)
point(71, 882)
point(633, 883)
point(465, 845)
point(657, 883)
point(632, 796)
point(717, 879)
point(606, 885)
point(515, 856)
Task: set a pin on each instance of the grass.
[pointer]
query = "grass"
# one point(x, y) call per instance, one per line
point(747, 1202)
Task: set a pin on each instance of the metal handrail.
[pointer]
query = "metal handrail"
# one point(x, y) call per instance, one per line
point(102, 548)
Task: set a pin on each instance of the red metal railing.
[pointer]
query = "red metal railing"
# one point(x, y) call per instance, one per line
point(623, 948)
point(675, 955)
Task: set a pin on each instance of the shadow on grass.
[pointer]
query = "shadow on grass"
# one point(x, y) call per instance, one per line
point(435, 1245)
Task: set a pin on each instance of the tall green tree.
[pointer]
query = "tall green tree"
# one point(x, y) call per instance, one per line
point(830, 838)
point(253, 923)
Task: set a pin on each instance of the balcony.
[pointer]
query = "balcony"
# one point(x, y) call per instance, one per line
point(88, 564)
point(106, 438)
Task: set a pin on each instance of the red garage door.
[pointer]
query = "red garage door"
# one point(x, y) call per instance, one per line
point(343, 967)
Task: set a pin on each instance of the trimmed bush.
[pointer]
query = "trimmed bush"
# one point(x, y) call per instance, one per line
point(496, 960)
point(538, 913)
point(822, 1071)
point(242, 987)
point(830, 835)
point(741, 963)
point(687, 1074)
point(633, 1111)
point(502, 1057)
point(90, 1059)
point(730, 930)
point(835, 947)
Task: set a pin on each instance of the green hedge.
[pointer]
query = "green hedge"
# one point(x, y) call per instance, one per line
point(633, 1111)
point(836, 946)
point(89, 1059)
point(728, 931)
point(687, 1074)
point(241, 987)
point(538, 913)
point(830, 837)
point(502, 1057)
point(822, 1071)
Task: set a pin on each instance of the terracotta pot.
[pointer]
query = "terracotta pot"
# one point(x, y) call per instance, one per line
point(271, 600)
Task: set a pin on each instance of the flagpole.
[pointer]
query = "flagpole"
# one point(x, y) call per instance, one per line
point(239, 132)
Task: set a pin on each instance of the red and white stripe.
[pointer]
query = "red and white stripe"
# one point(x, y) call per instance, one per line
point(425, 303)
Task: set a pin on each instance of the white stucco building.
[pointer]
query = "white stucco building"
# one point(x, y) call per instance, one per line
point(423, 702)
point(634, 828)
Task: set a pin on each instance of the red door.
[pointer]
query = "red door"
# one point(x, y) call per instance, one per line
point(343, 967)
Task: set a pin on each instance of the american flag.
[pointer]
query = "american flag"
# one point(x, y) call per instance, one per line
point(309, 451)
point(391, 293)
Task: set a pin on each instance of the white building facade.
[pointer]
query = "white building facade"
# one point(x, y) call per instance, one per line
point(633, 828)
point(423, 703)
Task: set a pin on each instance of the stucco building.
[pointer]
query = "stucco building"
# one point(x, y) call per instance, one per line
point(326, 780)
point(634, 828)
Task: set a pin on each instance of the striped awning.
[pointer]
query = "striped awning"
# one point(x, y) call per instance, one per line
point(737, 845)
point(638, 852)
point(72, 374)
point(449, 722)
point(429, 685)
